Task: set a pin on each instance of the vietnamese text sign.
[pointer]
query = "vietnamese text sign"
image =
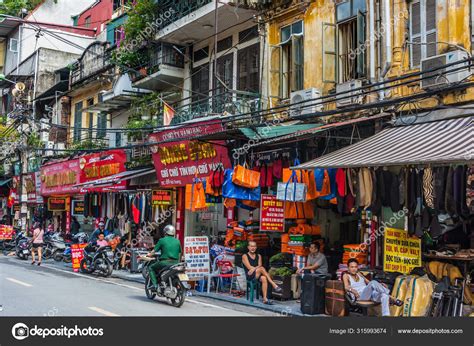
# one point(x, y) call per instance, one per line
point(196, 254)
point(60, 178)
point(161, 197)
point(77, 208)
point(271, 214)
point(178, 159)
point(6, 232)
point(57, 203)
point(402, 253)
point(77, 254)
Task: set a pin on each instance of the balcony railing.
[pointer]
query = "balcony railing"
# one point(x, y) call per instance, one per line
point(226, 103)
point(173, 10)
point(95, 59)
point(159, 54)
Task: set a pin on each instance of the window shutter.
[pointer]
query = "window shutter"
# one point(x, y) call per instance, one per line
point(276, 66)
point(297, 55)
point(431, 37)
point(329, 53)
point(415, 33)
point(360, 44)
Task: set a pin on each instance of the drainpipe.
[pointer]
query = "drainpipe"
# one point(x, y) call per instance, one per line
point(372, 39)
point(388, 42)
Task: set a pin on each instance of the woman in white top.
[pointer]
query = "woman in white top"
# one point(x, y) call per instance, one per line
point(363, 289)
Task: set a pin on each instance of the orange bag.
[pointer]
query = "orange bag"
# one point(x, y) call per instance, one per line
point(210, 190)
point(246, 177)
point(230, 203)
point(195, 197)
point(252, 204)
point(299, 210)
point(310, 181)
point(326, 188)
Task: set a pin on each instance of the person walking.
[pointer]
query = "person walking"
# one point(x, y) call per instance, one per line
point(37, 242)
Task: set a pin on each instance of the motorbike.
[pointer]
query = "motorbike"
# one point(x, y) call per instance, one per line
point(65, 255)
point(10, 244)
point(23, 246)
point(53, 243)
point(97, 260)
point(170, 284)
point(144, 264)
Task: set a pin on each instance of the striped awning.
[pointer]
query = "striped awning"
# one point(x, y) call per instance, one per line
point(440, 142)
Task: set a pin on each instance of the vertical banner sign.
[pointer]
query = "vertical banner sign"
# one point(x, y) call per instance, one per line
point(402, 253)
point(77, 254)
point(272, 214)
point(196, 254)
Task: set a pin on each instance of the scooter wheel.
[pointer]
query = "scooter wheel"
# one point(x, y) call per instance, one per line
point(84, 267)
point(150, 293)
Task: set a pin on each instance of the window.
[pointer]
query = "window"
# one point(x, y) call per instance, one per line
point(248, 34)
point(291, 51)
point(118, 139)
point(422, 31)
point(119, 34)
point(13, 45)
point(77, 121)
point(201, 54)
point(224, 44)
point(351, 28)
point(200, 87)
point(90, 116)
point(87, 22)
point(248, 69)
point(101, 125)
point(223, 82)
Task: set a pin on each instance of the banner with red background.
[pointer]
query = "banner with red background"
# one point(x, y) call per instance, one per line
point(176, 162)
point(60, 178)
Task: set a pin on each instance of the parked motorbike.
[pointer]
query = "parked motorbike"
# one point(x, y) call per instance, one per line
point(23, 246)
point(65, 255)
point(52, 242)
point(10, 244)
point(97, 260)
point(170, 284)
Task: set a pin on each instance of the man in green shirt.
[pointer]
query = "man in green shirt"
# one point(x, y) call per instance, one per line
point(170, 248)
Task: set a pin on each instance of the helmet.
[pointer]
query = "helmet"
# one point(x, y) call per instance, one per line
point(170, 230)
point(101, 224)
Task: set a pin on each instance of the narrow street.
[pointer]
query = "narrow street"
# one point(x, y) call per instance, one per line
point(27, 290)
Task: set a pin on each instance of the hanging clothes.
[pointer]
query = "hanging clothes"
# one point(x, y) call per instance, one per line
point(376, 206)
point(428, 187)
point(402, 177)
point(449, 197)
point(470, 189)
point(366, 186)
point(394, 193)
point(440, 179)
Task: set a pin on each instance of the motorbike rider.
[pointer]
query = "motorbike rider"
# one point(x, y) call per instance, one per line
point(95, 234)
point(170, 248)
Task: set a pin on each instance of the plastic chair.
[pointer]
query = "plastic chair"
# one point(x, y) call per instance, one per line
point(220, 276)
point(253, 286)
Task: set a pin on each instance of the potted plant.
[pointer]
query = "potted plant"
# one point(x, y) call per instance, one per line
point(282, 277)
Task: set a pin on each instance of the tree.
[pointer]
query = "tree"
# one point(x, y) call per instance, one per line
point(14, 7)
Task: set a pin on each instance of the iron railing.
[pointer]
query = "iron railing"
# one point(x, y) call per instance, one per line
point(173, 10)
point(95, 60)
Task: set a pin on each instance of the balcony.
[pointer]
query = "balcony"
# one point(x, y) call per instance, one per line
point(191, 20)
point(97, 58)
point(226, 103)
point(163, 70)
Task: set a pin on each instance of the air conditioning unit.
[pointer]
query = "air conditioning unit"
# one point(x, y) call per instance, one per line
point(312, 105)
point(443, 77)
point(350, 95)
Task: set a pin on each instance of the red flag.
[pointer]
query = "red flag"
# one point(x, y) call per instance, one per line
point(168, 114)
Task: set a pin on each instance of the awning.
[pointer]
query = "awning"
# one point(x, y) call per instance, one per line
point(276, 131)
point(116, 178)
point(440, 142)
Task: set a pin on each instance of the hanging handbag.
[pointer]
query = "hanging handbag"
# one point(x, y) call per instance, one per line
point(195, 197)
point(246, 177)
point(292, 191)
point(277, 169)
point(231, 190)
point(217, 177)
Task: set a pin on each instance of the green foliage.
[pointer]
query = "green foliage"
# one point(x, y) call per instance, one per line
point(34, 141)
point(148, 106)
point(284, 271)
point(88, 144)
point(14, 7)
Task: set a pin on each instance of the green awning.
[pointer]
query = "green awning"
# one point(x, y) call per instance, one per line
point(267, 132)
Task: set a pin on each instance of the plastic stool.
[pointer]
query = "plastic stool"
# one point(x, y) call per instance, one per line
point(253, 286)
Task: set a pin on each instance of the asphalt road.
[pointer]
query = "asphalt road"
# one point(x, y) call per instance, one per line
point(27, 290)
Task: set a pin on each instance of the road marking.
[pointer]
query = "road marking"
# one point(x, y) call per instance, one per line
point(19, 282)
point(206, 304)
point(102, 311)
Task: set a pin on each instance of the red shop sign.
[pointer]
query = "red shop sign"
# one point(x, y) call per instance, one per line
point(272, 214)
point(102, 165)
point(60, 178)
point(77, 254)
point(176, 162)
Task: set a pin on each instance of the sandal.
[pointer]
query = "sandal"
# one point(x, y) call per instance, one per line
point(39, 263)
point(278, 289)
point(267, 302)
point(33, 262)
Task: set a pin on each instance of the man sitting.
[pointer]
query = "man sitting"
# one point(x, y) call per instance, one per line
point(254, 270)
point(363, 289)
point(316, 262)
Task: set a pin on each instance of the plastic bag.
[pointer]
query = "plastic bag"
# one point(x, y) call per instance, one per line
point(246, 177)
point(231, 190)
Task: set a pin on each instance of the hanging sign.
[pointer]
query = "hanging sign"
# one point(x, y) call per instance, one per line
point(178, 159)
point(60, 178)
point(196, 254)
point(57, 203)
point(29, 186)
point(77, 208)
point(161, 198)
point(272, 214)
point(402, 253)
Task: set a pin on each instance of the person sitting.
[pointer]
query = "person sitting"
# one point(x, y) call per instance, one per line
point(316, 262)
point(254, 270)
point(101, 242)
point(95, 234)
point(362, 289)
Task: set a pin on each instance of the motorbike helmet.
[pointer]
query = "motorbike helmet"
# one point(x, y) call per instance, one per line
point(170, 230)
